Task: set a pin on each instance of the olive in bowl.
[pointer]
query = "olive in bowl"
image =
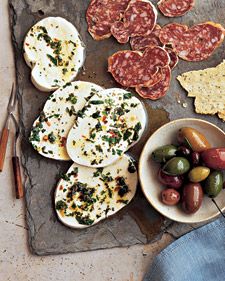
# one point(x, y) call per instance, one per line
point(170, 197)
point(164, 153)
point(193, 139)
point(170, 181)
point(152, 186)
point(176, 166)
point(192, 198)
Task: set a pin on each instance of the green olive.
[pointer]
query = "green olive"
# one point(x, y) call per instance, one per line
point(164, 153)
point(176, 166)
point(214, 184)
point(198, 174)
point(193, 138)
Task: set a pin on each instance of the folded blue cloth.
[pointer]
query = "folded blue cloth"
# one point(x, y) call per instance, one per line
point(196, 256)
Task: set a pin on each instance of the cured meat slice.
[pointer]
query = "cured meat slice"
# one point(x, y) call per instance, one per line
point(192, 44)
point(173, 58)
point(172, 31)
point(158, 90)
point(139, 20)
point(140, 43)
point(140, 17)
point(101, 14)
point(133, 68)
point(175, 8)
point(119, 32)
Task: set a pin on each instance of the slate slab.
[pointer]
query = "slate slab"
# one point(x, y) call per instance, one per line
point(138, 223)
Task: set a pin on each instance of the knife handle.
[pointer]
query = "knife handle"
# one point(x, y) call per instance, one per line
point(17, 177)
point(3, 146)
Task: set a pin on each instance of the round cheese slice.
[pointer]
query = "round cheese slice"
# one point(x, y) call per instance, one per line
point(113, 120)
point(55, 53)
point(84, 196)
point(50, 130)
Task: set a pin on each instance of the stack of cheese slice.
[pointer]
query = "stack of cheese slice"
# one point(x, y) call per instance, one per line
point(51, 128)
point(208, 88)
point(93, 127)
point(82, 122)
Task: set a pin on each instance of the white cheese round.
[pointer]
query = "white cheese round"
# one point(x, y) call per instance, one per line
point(50, 130)
point(113, 120)
point(84, 196)
point(55, 53)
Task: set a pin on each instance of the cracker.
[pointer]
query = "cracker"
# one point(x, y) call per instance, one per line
point(205, 105)
point(208, 88)
point(221, 115)
point(210, 81)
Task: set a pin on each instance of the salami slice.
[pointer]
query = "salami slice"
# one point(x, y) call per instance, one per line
point(192, 44)
point(119, 32)
point(140, 43)
point(172, 32)
point(159, 90)
point(175, 8)
point(173, 58)
point(133, 68)
point(139, 20)
point(101, 14)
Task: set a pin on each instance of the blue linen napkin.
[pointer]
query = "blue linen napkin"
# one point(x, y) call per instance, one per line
point(196, 256)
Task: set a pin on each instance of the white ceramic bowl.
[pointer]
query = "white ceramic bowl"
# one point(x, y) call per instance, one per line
point(148, 170)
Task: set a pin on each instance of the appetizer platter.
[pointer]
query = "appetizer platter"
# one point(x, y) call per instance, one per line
point(95, 80)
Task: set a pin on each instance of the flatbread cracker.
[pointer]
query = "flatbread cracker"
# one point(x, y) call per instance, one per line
point(208, 88)
point(204, 105)
point(210, 81)
point(222, 115)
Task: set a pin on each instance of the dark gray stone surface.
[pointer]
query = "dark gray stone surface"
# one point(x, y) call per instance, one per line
point(138, 223)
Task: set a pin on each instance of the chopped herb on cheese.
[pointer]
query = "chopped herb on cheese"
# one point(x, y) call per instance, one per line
point(94, 194)
point(111, 123)
point(61, 110)
point(54, 51)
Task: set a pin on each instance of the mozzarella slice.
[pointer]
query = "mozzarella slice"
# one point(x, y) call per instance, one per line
point(49, 133)
point(86, 195)
point(112, 121)
point(55, 53)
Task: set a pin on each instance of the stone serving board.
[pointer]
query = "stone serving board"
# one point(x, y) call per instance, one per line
point(137, 223)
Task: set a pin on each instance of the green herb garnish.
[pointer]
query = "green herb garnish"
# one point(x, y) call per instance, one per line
point(60, 205)
point(127, 96)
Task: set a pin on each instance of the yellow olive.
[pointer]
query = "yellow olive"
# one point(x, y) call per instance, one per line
point(198, 174)
point(193, 138)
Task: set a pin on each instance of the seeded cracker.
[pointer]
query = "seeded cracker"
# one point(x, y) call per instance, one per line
point(208, 88)
point(222, 115)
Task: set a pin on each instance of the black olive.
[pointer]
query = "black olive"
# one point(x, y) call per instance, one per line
point(195, 158)
point(183, 151)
